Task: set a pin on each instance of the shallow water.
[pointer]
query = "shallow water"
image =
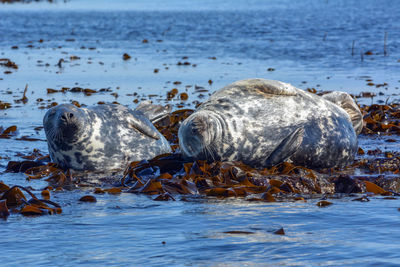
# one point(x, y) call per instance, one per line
point(307, 43)
point(130, 229)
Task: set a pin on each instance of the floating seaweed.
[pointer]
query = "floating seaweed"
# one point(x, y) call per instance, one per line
point(24, 98)
point(5, 62)
point(13, 200)
point(88, 198)
point(4, 105)
point(126, 56)
point(382, 119)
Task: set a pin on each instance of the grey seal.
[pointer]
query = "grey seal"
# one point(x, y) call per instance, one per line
point(103, 137)
point(264, 122)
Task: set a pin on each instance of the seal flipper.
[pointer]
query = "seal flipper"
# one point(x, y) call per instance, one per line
point(286, 148)
point(153, 112)
point(143, 127)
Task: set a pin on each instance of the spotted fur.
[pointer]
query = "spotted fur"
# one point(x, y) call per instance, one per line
point(103, 137)
point(263, 122)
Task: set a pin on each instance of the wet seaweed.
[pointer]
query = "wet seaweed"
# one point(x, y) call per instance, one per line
point(5, 62)
point(381, 119)
point(13, 200)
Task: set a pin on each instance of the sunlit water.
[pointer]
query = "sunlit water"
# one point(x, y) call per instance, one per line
point(130, 230)
point(307, 43)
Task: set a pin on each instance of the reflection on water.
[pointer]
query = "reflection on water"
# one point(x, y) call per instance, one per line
point(307, 43)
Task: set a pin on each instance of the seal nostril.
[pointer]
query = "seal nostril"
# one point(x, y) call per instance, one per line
point(67, 116)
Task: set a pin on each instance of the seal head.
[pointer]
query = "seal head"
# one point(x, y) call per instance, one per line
point(198, 134)
point(64, 124)
point(345, 101)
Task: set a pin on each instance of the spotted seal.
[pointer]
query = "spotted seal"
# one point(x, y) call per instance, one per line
point(264, 122)
point(103, 137)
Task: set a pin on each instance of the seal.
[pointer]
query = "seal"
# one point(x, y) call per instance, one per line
point(264, 122)
point(103, 137)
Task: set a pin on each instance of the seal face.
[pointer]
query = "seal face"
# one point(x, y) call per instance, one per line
point(263, 122)
point(103, 137)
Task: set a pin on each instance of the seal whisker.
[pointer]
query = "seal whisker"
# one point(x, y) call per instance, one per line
point(55, 135)
point(59, 136)
point(52, 134)
point(210, 151)
point(214, 150)
point(205, 152)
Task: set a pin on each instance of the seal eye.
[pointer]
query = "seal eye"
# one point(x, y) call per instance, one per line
point(195, 130)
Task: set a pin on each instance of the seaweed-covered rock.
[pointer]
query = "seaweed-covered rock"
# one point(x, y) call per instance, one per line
point(345, 184)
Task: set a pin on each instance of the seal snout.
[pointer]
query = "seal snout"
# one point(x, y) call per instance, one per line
point(67, 120)
point(66, 117)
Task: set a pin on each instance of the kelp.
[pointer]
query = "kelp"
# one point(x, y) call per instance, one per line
point(8, 132)
point(382, 119)
point(5, 62)
point(4, 105)
point(88, 198)
point(13, 200)
point(169, 174)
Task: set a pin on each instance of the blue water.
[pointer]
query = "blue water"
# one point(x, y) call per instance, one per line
point(129, 230)
point(307, 43)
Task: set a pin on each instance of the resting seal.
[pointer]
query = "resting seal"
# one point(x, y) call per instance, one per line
point(103, 137)
point(263, 122)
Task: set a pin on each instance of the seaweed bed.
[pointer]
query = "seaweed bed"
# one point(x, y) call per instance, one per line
point(168, 176)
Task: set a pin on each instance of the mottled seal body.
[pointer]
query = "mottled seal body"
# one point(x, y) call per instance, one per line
point(264, 122)
point(100, 138)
